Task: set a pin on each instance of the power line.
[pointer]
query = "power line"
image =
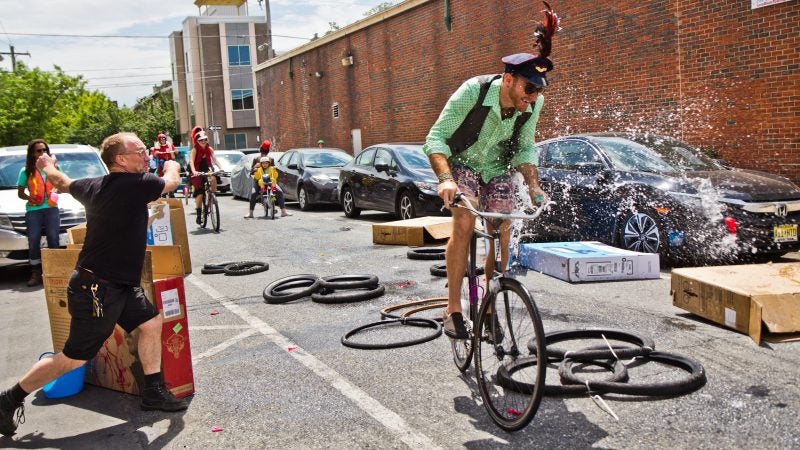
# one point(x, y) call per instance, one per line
point(129, 36)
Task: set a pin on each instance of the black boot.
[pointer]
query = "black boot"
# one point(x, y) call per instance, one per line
point(199, 216)
point(158, 397)
point(12, 413)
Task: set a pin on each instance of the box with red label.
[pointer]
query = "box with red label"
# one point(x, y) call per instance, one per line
point(176, 354)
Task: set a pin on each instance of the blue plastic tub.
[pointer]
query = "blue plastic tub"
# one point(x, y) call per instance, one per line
point(67, 384)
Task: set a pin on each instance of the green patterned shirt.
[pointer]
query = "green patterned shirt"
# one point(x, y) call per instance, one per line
point(485, 155)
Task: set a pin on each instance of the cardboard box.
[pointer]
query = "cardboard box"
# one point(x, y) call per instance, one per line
point(116, 365)
point(412, 232)
point(177, 228)
point(746, 298)
point(579, 262)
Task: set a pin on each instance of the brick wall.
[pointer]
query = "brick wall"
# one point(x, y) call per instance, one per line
point(714, 73)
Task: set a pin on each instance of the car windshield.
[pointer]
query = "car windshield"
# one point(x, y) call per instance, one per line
point(228, 160)
point(413, 157)
point(74, 165)
point(326, 159)
point(654, 155)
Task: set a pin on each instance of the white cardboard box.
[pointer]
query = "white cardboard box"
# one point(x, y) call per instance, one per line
point(579, 262)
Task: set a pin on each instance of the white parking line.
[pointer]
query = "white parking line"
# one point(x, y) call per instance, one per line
point(218, 348)
point(386, 417)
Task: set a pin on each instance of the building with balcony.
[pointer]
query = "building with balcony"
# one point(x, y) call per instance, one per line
point(212, 59)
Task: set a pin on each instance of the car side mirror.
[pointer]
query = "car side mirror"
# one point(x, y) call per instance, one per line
point(382, 168)
point(292, 166)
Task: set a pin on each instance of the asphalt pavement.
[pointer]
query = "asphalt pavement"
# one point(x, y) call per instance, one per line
point(277, 376)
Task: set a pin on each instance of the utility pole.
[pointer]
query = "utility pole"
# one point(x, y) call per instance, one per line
point(13, 57)
point(270, 50)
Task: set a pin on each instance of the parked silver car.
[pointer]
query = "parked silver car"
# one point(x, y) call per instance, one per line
point(228, 160)
point(76, 161)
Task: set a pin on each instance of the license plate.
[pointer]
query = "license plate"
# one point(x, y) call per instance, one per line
point(785, 233)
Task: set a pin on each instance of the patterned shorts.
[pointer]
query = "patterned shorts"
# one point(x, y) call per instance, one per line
point(495, 196)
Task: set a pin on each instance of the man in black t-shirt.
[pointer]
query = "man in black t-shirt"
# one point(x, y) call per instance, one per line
point(104, 288)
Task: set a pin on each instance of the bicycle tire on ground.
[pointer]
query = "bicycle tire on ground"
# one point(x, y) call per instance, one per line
point(386, 313)
point(426, 253)
point(276, 292)
point(349, 295)
point(695, 380)
point(505, 377)
point(440, 270)
point(414, 321)
point(245, 268)
point(214, 268)
point(339, 282)
point(644, 344)
point(520, 322)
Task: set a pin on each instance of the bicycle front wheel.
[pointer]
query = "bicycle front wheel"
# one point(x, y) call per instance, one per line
point(213, 211)
point(507, 322)
point(204, 212)
point(272, 207)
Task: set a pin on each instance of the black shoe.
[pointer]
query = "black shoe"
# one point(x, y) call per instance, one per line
point(11, 414)
point(492, 331)
point(454, 326)
point(158, 397)
point(199, 219)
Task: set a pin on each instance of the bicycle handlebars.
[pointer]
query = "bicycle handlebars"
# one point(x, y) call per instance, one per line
point(459, 201)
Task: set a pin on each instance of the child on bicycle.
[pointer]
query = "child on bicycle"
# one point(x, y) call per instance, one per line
point(266, 170)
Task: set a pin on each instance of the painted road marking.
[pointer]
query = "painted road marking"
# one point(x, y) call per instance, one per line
point(386, 417)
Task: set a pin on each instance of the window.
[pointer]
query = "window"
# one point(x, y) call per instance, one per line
point(235, 141)
point(335, 109)
point(242, 99)
point(366, 157)
point(238, 55)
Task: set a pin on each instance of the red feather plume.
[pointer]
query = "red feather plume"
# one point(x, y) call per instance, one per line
point(545, 31)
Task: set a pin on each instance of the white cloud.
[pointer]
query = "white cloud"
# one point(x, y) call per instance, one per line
point(126, 69)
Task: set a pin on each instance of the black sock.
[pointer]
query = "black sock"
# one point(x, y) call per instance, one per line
point(17, 393)
point(153, 379)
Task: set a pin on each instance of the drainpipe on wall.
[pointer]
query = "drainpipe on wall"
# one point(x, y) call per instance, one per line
point(448, 19)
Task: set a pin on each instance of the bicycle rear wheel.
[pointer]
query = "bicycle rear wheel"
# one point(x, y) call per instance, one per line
point(463, 348)
point(517, 321)
point(213, 211)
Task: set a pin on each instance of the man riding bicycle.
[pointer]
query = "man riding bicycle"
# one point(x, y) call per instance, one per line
point(200, 162)
point(486, 128)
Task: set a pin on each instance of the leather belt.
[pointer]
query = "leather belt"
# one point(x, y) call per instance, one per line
point(88, 275)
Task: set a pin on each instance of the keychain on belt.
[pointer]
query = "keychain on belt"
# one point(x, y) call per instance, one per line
point(97, 304)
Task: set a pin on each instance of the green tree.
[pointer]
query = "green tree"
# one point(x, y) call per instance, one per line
point(333, 28)
point(380, 8)
point(35, 103)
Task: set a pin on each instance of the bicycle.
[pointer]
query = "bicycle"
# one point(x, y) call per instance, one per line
point(513, 334)
point(209, 204)
point(268, 198)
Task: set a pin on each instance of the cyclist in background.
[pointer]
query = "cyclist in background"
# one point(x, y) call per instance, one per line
point(266, 166)
point(201, 160)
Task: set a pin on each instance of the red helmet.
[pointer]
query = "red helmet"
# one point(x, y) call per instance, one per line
point(265, 145)
point(161, 136)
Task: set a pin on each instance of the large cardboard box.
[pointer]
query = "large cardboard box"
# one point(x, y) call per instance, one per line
point(579, 262)
point(175, 226)
point(412, 232)
point(116, 365)
point(747, 298)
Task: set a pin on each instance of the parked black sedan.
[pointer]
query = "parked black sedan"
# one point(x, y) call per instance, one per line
point(394, 178)
point(309, 175)
point(658, 195)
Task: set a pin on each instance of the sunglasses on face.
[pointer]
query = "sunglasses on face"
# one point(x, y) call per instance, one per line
point(531, 88)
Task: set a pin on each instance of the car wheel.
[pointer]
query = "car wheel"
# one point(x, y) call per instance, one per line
point(302, 198)
point(405, 207)
point(640, 232)
point(349, 204)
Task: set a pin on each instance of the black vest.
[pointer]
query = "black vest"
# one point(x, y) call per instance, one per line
point(469, 130)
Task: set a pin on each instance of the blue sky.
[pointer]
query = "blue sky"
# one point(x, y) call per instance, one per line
point(126, 69)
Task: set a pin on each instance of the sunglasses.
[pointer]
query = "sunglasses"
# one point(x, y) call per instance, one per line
point(141, 152)
point(531, 88)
